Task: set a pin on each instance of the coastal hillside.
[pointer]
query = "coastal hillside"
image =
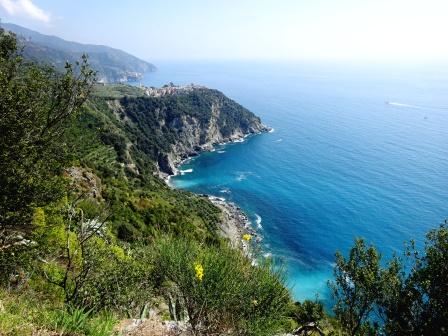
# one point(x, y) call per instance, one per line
point(112, 65)
point(94, 242)
point(134, 135)
point(91, 236)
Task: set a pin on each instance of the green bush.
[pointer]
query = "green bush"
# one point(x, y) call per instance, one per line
point(220, 290)
point(92, 269)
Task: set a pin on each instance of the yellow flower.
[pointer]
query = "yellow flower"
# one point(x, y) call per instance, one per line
point(199, 271)
point(247, 237)
point(255, 302)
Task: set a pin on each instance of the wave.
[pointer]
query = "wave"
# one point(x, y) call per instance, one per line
point(271, 130)
point(258, 221)
point(279, 140)
point(221, 151)
point(225, 191)
point(185, 171)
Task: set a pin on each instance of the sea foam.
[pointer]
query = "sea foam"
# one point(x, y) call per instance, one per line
point(258, 221)
point(185, 171)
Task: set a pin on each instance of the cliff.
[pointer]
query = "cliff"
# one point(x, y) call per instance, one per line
point(173, 123)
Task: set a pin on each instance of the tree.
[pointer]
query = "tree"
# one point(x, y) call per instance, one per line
point(36, 104)
point(355, 289)
point(308, 315)
point(417, 304)
point(408, 298)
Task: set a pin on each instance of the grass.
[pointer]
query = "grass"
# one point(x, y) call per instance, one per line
point(28, 312)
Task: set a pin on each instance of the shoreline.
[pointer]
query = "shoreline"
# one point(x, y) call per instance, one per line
point(235, 222)
point(235, 225)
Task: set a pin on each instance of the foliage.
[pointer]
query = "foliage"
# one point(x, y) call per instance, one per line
point(308, 312)
point(220, 290)
point(407, 298)
point(35, 105)
point(417, 303)
point(355, 287)
point(93, 270)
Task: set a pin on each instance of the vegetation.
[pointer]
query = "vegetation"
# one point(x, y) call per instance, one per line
point(35, 105)
point(220, 290)
point(112, 65)
point(408, 296)
point(84, 222)
point(89, 235)
point(155, 120)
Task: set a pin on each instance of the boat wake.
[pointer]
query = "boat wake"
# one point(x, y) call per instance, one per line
point(416, 106)
point(403, 105)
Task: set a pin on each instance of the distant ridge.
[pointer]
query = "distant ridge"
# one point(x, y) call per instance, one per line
point(113, 65)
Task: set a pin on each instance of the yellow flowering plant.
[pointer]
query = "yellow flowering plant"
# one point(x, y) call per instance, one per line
point(247, 237)
point(199, 270)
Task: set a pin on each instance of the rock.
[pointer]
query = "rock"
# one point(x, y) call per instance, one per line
point(84, 181)
point(166, 164)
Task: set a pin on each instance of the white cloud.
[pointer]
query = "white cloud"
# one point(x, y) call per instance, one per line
point(25, 8)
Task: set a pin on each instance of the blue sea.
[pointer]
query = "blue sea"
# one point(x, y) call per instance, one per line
point(359, 150)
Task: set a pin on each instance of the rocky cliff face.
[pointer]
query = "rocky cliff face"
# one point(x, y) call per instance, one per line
point(195, 137)
point(180, 122)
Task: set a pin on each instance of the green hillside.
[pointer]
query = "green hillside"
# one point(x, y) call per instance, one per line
point(112, 65)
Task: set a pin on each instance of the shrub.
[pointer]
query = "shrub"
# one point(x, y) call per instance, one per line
point(92, 270)
point(220, 290)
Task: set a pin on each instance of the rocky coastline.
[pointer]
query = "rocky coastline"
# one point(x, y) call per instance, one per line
point(174, 160)
point(235, 223)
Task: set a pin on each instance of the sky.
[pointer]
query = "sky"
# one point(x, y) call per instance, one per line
point(374, 30)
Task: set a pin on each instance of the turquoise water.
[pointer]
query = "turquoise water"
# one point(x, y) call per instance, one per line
point(341, 163)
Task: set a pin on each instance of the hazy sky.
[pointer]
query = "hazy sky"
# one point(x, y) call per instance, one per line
point(246, 29)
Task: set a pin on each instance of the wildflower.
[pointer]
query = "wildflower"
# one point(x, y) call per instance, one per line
point(247, 237)
point(199, 271)
point(255, 302)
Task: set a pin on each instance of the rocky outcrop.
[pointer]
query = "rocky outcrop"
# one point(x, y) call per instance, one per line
point(178, 122)
point(195, 137)
point(83, 181)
